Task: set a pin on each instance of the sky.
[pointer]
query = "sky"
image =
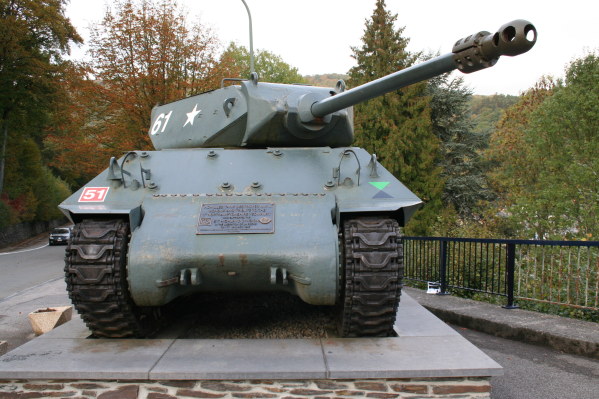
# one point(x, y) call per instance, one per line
point(316, 36)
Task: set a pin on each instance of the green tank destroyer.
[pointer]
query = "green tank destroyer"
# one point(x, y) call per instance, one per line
point(255, 187)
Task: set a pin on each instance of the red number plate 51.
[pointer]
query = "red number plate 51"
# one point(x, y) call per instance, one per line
point(94, 194)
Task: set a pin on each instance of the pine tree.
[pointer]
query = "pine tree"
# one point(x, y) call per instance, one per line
point(397, 126)
point(460, 158)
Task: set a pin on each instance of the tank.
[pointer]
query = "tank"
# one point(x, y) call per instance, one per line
point(254, 187)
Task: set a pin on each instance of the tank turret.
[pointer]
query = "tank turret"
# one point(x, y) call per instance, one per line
point(254, 188)
point(256, 115)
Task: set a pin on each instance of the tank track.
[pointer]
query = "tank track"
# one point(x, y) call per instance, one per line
point(95, 273)
point(372, 276)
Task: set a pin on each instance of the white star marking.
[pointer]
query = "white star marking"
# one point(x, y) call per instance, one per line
point(191, 115)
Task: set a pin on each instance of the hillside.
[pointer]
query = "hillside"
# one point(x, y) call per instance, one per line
point(325, 80)
point(486, 111)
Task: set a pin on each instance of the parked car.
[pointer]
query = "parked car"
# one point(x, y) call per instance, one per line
point(60, 235)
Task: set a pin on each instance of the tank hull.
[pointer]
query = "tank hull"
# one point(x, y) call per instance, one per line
point(168, 257)
point(307, 191)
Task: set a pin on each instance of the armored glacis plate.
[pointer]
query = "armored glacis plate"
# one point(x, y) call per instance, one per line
point(253, 218)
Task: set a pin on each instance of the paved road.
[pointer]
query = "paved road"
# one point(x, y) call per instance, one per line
point(31, 277)
point(24, 268)
point(535, 372)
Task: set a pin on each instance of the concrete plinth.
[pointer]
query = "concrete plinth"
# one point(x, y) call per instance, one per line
point(425, 348)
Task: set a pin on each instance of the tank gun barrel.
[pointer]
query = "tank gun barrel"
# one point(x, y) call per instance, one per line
point(470, 54)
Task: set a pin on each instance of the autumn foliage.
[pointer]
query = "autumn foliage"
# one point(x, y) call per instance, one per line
point(141, 54)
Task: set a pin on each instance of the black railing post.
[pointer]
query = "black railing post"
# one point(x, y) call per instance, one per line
point(443, 267)
point(500, 257)
point(510, 261)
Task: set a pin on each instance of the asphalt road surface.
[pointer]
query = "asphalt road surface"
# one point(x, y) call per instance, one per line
point(535, 372)
point(33, 277)
point(24, 268)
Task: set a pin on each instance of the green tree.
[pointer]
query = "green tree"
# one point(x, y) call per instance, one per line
point(545, 151)
point(564, 140)
point(514, 168)
point(463, 168)
point(34, 34)
point(23, 172)
point(270, 67)
point(397, 126)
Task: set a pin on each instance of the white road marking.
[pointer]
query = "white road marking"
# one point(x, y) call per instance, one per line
point(25, 250)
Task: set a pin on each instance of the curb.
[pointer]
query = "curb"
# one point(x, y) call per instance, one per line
point(563, 334)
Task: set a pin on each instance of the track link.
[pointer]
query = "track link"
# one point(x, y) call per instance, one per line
point(95, 273)
point(372, 276)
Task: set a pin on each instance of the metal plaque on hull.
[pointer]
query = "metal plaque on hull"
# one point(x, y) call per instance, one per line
point(248, 218)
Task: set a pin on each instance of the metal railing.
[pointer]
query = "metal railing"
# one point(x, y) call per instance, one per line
point(556, 272)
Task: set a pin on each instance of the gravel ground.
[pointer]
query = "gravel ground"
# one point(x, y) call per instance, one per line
point(276, 315)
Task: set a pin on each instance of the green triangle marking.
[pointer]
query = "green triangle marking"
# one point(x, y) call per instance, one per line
point(379, 184)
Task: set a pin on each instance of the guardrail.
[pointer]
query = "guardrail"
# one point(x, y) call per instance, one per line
point(556, 272)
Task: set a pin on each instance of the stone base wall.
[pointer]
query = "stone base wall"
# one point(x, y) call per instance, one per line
point(463, 388)
point(22, 231)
